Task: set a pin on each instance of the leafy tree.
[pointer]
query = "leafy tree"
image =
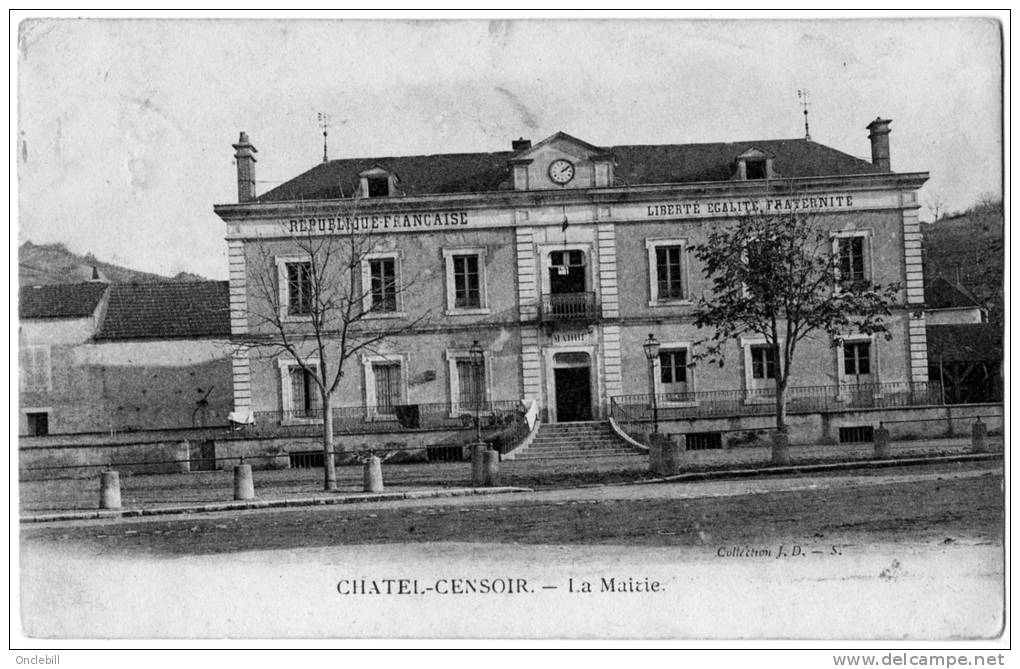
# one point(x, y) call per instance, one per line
point(321, 321)
point(776, 276)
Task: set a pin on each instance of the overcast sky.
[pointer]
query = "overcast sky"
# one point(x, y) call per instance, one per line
point(125, 126)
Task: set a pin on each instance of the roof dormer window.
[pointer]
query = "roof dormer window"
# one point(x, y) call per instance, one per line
point(754, 164)
point(377, 181)
point(378, 186)
point(756, 169)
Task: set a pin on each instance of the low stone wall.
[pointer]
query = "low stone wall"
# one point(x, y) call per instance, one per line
point(39, 458)
point(157, 457)
point(126, 438)
point(903, 423)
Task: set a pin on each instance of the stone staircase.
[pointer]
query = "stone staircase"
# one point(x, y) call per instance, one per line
point(556, 441)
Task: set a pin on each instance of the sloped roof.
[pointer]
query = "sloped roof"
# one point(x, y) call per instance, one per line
point(194, 309)
point(635, 165)
point(68, 300)
point(964, 343)
point(419, 175)
point(941, 293)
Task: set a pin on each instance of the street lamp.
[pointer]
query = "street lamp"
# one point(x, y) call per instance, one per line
point(477, 360)
point(652, 352)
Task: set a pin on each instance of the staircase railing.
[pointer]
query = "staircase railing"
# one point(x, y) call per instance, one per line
point(633, 425)
point(524, 425)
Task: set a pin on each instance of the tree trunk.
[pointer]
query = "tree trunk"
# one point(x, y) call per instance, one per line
point(781, 440)
point(328, 465)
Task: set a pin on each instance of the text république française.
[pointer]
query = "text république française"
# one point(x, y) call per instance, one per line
point(442, 219)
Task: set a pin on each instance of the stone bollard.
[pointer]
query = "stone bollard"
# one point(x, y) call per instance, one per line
point(244, 486)
point(490, 459)
point(183, 457)
point(478, 464)
point(780, 448)
point(109, 490)
point(673, 454)
point(373, 474)
point(655, 443)
point(979, 437)
point(881, 442)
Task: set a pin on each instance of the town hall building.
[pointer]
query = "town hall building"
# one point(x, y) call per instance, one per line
point(560, 259)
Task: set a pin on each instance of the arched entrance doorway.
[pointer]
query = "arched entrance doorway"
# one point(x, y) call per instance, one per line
point(572, 386)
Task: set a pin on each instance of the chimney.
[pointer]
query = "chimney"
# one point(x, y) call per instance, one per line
point(521, 144)
point(244, 154)
point(95, 274)
point(878, 133)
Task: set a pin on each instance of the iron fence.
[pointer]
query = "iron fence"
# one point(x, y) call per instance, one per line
point(397, 418)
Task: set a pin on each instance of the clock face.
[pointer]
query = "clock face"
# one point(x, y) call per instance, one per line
point(561, 171)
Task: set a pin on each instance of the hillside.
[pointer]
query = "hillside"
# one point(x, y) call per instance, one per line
point(969, 247)
point(42, 264)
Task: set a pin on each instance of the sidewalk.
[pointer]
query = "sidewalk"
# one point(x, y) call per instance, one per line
point(68, 499)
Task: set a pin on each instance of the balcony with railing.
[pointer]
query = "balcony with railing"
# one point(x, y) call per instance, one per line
point(569, 307)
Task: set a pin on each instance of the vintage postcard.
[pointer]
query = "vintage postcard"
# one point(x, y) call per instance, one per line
point(645, 327)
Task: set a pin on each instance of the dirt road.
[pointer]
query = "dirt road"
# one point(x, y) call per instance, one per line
point(918, 555)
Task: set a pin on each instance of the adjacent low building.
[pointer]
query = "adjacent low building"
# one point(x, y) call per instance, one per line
point(965, 351)
point(102, 358)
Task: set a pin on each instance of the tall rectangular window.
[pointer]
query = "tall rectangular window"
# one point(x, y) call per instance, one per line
point(466, 282)
point(567, 272)
point(673, 367)
point(763, 362)
point(386, 377)
point(305, 400)
point(299, 288)
point(470, 383)
point(857, 358)
point(35, 369)
point(673, 371)
point(668, 272)
point(851, 258)
point(383, 272)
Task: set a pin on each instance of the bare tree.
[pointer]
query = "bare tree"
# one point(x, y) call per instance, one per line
point(935, 204)
point(776, 276)
point(315, 308)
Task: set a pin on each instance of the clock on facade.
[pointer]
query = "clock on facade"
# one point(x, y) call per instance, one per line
point(561, 171)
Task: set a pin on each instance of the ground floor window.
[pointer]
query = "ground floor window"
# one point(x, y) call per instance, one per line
point(470, 384)
point(38, 423)
point(762, 369)
point(763, 362)
point(299, 391)
point(673, 372)
point(857, 367)
point(386, 376)
point(857, 358)
point(304, 392)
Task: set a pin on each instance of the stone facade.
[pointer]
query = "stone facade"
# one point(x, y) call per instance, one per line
point(571, 242)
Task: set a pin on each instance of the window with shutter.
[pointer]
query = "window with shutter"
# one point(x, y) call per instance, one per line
point(387, 386)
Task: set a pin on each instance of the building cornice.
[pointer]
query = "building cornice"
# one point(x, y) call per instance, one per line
point(257, 339)
point(600, 195)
